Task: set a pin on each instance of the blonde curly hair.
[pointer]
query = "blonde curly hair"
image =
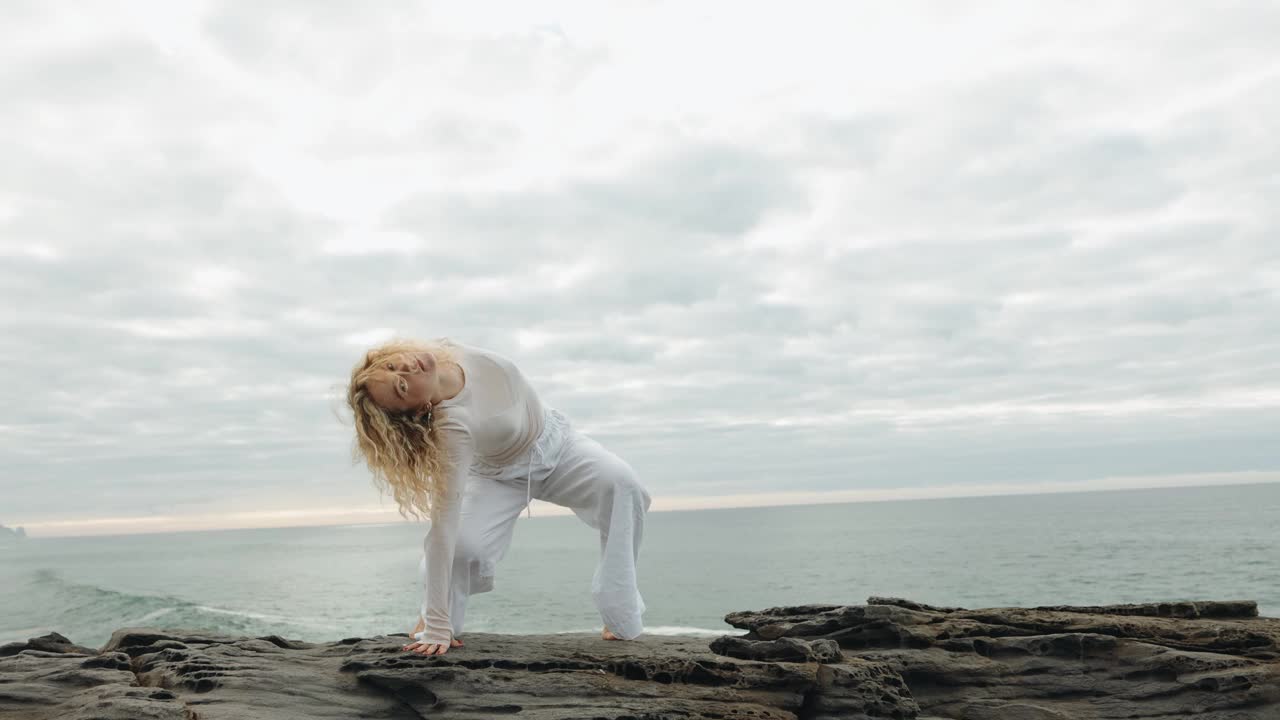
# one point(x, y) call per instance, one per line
point(402, 450)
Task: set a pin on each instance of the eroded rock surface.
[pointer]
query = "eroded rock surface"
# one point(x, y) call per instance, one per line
point(889, 658)
point(1206, 660)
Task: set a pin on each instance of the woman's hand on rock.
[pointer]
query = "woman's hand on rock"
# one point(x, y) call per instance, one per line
point(427, 648)
point(423, 648)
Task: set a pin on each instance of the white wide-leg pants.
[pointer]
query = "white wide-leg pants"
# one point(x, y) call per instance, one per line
point(570, 469)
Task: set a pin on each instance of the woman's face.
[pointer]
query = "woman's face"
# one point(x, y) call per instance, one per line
point(403, 382)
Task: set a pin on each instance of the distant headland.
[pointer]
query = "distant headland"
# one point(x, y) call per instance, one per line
point(11, 535)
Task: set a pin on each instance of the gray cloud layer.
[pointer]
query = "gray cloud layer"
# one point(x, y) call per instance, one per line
point(1047, 251)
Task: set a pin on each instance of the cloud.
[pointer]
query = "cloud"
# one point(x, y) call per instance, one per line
point(965, 247)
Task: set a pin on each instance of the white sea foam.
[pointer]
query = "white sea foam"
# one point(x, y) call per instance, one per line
point(686, 630)
point(667, 630)
point(242, 613)
point(149, 616)
point(295, 621)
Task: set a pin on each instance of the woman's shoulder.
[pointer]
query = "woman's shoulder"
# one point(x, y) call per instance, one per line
point(454, 417)
point(484, 362)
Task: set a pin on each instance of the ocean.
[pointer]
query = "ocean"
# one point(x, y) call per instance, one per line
point(328, 583)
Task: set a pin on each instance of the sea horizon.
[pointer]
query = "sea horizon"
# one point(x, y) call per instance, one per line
point(546, 510)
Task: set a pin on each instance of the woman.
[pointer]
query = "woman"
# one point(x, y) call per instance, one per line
point(457, 433)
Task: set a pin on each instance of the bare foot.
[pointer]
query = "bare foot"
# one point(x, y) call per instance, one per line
point(608, 635)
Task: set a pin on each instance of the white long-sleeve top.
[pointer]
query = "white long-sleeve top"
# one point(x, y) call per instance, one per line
point(492, 421)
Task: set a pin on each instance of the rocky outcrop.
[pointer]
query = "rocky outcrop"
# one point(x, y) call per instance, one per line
point(889, 658)
point(12, 535)
point(1206, 660)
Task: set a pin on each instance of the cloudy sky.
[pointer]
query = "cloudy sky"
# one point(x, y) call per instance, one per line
point(766, 252)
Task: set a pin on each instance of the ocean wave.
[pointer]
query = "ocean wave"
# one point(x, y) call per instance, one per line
point(265, 617)
point(69, 596)
point(21, 634)
point(153, 615)
point(683, 630)
point(88, 613)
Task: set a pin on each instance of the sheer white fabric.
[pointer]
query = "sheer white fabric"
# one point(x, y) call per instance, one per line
point(493, 422)
point(570, 469)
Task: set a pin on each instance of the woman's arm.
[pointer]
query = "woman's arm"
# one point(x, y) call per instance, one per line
point(442, 538)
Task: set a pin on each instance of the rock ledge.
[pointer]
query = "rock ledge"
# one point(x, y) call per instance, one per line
point(890, 658)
